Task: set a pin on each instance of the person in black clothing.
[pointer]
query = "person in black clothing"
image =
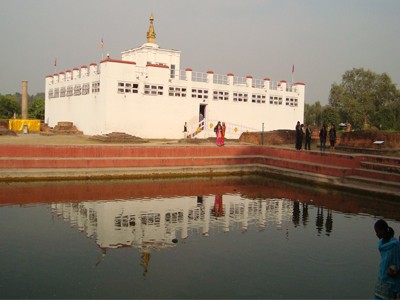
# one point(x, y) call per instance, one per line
point(185, 131)
point(307, 144)
point(299, 136)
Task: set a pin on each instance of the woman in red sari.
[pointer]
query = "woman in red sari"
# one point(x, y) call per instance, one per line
point(220, 137)
point(223, 133)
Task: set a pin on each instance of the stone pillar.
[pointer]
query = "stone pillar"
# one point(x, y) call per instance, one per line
point(24, 103)
point(210, 77)
point(249, 80)
point(230, 78)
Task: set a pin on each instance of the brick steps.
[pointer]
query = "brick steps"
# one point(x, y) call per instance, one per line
point(390, 168)
point(49, 162)
point(386, 160)
point(140, 162)
point(373, 182)
point(374, 174)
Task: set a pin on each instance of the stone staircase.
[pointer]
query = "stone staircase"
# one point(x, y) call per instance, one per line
point(374, 174)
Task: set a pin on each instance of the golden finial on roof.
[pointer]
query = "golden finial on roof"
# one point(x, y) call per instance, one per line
point(151, 35)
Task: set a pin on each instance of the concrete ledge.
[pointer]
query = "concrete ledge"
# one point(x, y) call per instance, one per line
point(353, 185)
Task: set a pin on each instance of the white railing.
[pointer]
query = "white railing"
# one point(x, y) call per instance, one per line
point(182, 74)
point(220, 79)
point(258, 83)
point(223, 80)
point(273, 85)
point(199, 76)
point(205, 129)
point(242, 81)
point(289, 87)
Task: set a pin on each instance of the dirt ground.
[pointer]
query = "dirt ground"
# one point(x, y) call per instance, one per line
point(38, 139)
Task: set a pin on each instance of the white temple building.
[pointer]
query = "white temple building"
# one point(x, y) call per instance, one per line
point(147, 94)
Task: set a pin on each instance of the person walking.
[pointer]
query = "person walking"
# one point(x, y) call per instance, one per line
point(307, 144)
point(388, 283)
point(185, 131)
point(220, 139)
point(322, 138)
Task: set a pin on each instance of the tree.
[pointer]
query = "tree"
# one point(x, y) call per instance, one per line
point(360, 96)
point(8, 106)
point(385, 118)
point(330, 115)
point(313, 114)
point(36, 109)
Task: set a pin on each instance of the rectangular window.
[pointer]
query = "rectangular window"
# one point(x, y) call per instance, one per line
point(56, 92)
point(70, 90)
point(127, 87)
point(62, 92)
point(240, 97)
point(200, 93)
point(50, 93)
point(96, 87)
point(174, 217)
point(221, 95)
point(153, 90)
point(125, 221)
point(85, 88)
point(172, 71)
point(177, 91)
point(257, 98)
point(291, 102)
point(77, 90)
point(276, 100)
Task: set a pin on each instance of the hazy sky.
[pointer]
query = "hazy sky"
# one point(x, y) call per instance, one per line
point(323, 39)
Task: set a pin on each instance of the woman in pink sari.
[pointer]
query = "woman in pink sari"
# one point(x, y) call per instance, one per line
point(220, 136)
point(223, 133)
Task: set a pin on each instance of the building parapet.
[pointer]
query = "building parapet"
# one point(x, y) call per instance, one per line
point(208, 78)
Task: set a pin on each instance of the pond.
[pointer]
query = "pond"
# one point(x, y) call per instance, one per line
point(220, 238)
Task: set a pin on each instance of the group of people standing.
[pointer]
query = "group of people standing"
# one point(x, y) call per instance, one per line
point(323, 134)
point(301, 131)
point(219, 130)
point(306, 131)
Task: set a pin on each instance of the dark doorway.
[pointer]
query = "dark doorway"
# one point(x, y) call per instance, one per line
point(202, 112)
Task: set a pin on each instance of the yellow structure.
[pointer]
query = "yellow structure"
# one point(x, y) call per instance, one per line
point(18, 125)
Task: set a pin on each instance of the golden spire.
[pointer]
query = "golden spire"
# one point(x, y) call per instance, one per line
point(151, 35)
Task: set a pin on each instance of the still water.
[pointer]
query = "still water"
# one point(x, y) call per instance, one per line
point(219, 238)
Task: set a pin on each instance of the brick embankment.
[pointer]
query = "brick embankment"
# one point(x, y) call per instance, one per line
point(364, 173)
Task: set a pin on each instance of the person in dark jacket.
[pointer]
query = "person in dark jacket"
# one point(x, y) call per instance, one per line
point(307, 144)
point(299, 136)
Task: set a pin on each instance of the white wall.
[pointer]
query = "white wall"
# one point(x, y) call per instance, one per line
point(164, 116)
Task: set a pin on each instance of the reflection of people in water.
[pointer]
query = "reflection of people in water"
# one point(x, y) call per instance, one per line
point(218, 209)
point(296, 213)
point(145, 262)
point(329, 222)
point(320, 219)
point(304, 215)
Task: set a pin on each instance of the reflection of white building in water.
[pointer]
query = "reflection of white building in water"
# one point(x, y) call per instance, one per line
point(158, 223)
point(147, 94)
